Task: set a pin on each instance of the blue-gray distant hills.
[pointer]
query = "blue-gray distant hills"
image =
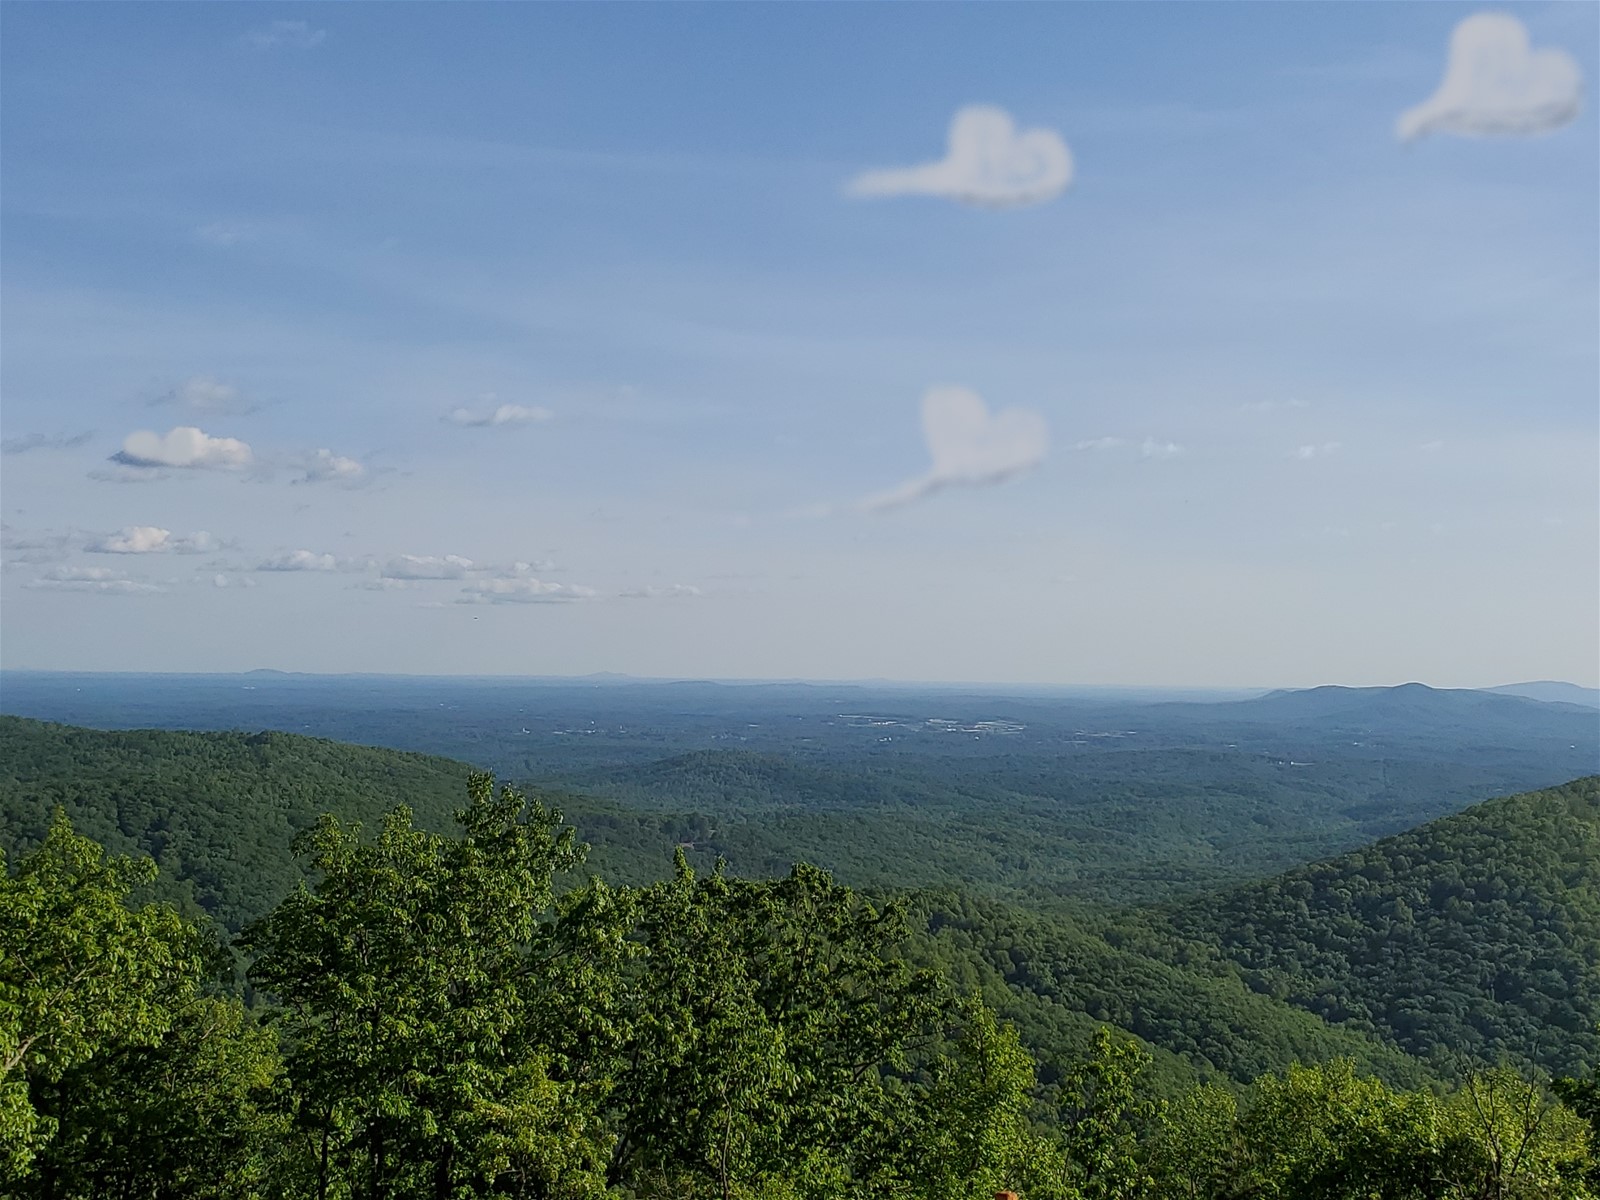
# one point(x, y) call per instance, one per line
point(1551, 692)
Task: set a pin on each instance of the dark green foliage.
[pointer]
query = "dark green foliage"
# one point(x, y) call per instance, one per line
point(1473, 938)
point(216, 811)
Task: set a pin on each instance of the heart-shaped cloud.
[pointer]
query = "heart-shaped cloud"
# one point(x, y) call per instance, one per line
point(1496, 83)
point(970, 445)
point(988, 163)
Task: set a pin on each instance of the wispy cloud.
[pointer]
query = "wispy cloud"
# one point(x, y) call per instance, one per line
point(1316, 450)
point(299, 560)
point(101, 580)
point(151, 539)
point(293, 35)
point(24, 442)
point(1148, 448)
point(500, 414)
point(183, 448)
point(988, 163)
point(1496, 83)
point(206, 395)
point(673, 591)
point(1266, 406)
point(522, 591)
point(970, 445)
point(227, 233)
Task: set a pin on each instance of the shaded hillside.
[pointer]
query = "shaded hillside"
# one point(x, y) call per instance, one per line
point(1113, 826)
point(1058, 978)
point(217, 811)
point(1477, 935)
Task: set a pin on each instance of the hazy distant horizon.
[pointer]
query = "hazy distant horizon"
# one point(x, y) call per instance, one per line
point(623, 679)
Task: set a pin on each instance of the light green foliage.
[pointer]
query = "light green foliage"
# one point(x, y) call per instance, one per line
point(1104, 1109)
point(1198, 1152)
point(753, 1032)
point(1326, 1133)
point(79, 972)
point(1509, 1139)
point(970, 1134)
point(122, 1075)
point(400, 975)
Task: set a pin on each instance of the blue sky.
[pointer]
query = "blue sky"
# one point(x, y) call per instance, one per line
point(1321, 405)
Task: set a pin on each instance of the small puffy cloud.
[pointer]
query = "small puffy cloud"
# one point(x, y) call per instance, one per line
point(292, 35)
point(500, 414)
point(989, 163)
point(1496, 83)
point(1102, 444)
point(185, 448)
point(204, 394)
point(220, 580)
point(652, 591)
point(324, 465)
point(299, 560)
point(970, 445)
point(1319, 450)
point(24, 442)
point(91, 579)
point(427, 566)
point(150, 539)
point(522, 591)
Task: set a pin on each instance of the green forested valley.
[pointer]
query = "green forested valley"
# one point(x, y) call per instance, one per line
point(210, 988)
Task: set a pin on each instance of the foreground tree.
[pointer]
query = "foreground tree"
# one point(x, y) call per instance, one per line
point(401, 976)
point(124, 1074)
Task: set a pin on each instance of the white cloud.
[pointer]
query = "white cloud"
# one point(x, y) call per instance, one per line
point(1321, 450)
point(295, 35)
point(184, 447)
point(324, 465)
point(522, 591)
point(90, 579)
point(427, 566)
point(1151, 448)
point(151, 539)
point(989, 162)
point(970, 445)
point(204, 394)
point(1496, 83)
point(382, 583)
point(24, 442)
point(299, 560)
point(657, 592)
point(220, 580)
point(501, 414)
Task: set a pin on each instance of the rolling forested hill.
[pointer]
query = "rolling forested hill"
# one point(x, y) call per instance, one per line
point(217, 811)
point(1476, 935)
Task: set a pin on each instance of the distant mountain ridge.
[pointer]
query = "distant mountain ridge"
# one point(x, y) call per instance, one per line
point(1550, 691)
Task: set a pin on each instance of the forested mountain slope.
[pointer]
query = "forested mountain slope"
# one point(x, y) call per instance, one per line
point(1476, 935)
point(217, 811)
